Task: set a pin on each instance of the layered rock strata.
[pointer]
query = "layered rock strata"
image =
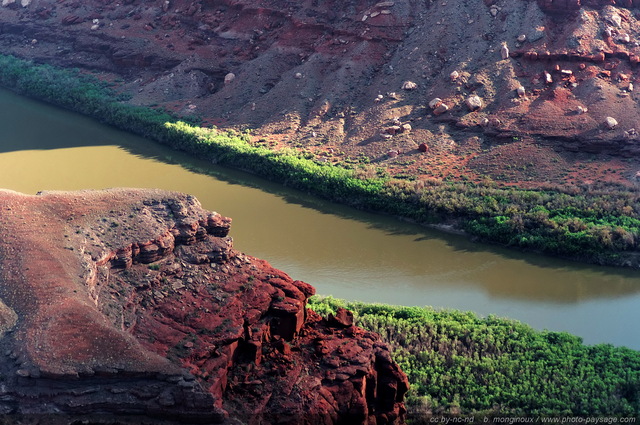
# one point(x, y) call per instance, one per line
point(134, 302)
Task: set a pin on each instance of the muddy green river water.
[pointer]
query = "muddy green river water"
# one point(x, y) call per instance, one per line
point(341, 251)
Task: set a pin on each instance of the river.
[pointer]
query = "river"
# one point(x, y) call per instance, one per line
point(343, 252)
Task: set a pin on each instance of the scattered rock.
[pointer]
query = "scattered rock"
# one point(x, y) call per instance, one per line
point(504, 51)
point(342, 318)
point(474, 102)
point(440, 109)
point(631, 134)
point(614, 19)
point(406, 128)
point(522, 38)
point(298, 75)
point(624, 38)
point(521, 91)
point(392, 153)
point(394, 129)
point(610, 123)
point(409, 85)
point(547, 78)
point(228, 79)
point(423, 147)
point(435, 102)
point(23, 373)
point(454, 75)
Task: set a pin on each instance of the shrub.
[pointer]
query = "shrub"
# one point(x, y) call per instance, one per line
point(459, 362)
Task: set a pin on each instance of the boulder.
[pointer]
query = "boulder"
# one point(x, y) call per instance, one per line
point(342, 318)
point(229, 78)
point(409, 85)
point(474, 102)
point(435, 102)
point(441, 109)
point(504, 51)
point(393, 129)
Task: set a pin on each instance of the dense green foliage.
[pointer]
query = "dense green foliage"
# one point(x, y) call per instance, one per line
point(588, 225)
point(459, 363)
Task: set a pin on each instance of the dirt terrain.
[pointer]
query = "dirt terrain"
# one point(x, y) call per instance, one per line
point(533, 93)
point(134, 302)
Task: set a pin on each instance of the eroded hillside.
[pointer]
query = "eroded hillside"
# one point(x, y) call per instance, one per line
point(526, 92)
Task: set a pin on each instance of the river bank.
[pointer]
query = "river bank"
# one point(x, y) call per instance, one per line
point(598, 226)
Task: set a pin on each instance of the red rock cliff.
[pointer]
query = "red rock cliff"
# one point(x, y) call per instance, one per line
point(135, 303)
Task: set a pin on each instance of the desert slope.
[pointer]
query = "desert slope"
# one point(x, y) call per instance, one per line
point(327, 77)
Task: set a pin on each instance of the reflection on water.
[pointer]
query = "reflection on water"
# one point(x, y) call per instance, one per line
point(341, 251)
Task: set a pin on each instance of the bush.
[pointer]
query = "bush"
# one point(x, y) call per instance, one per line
point(459, 363)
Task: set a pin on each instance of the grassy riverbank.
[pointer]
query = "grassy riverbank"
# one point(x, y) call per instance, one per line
point(460, 364)
point(596, 226)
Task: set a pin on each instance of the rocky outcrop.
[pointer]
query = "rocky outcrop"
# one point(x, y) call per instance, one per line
point(134, 302)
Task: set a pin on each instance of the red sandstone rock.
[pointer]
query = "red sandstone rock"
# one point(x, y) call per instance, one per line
point(342, 318)
point(133, 301)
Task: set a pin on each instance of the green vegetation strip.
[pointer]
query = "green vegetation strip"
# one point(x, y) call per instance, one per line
point(596, 226)
point(460, 364)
